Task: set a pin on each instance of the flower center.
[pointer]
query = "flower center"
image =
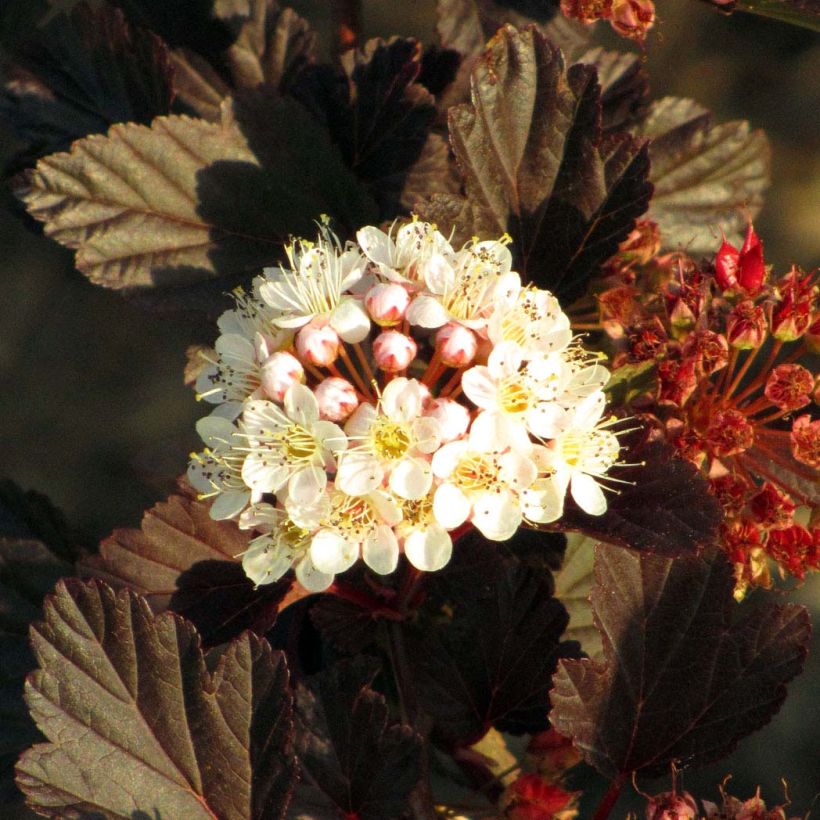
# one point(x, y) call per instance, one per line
point(476, 472)
point(299, 444)
point(351, 515)
point(593, 451)
point(514, 396)
point(389, 439)
point(292, 537)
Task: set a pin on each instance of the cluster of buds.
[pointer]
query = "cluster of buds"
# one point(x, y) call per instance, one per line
point(377, 397)
point(730, 348)
point(682, 806)
point(629, 18)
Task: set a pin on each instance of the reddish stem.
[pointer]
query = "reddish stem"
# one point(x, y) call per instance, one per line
point(609, 799)
point(369, 602)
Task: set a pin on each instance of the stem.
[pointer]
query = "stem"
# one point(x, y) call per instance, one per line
point(357, 348)
point(609, 799)
point(353, 371)
point(770, 360)
point(347, 22)
point(368, 602)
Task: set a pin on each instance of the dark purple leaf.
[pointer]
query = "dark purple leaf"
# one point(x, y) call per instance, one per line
point(624, 87)
point(682, 680)
point(354, 762)
point(376, 112)
point(665, 507)
point(491, 663)
point(80, 73)
point(537, 166)
point(136, 721)
point(183, 560)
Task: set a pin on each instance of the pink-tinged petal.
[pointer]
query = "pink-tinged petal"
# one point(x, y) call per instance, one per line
point(427, 311)
point(497, 515)
point(359, 473)
point(311, 578)
point(451, 507)
point(350, 321)
point(411, 479)
point(517, 470)
point(588, 494)
point(380, 550)
point(480, 387)
point(429, 550)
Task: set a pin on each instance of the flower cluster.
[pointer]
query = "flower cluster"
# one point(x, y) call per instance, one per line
point(377, 397)
point(730, 351)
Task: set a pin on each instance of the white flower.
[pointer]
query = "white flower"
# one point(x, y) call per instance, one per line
point(290, 447)
point(579, 456)
point(533, 319)
point(235, 374)
point(283, 545)
point(357, 526)
point(465, 289)
point(252, 316)
point(315, 288)
point(404, 259)
point(427, 545)
point(481, 487)
point(394, 438)
point(217, 472)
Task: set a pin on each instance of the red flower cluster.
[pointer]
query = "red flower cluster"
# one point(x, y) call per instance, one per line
point(728, 346)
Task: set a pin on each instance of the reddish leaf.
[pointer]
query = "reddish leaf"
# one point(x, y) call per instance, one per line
point(682, 679)
point(137, 722)
point(492, 663)
point(183, 560)
point(624, 87)
point(354, 763)
point(536, 165)
point(665, 507)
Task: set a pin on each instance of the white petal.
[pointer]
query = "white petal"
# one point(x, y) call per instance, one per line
point(439, 274)
point(229, 504)
point(380, 550)
point(378, 247)
point(305, 486)
point(359, 473)
point(311, 578)
point(517, 470)
point(427, 311)
point(236, 350)
point(446, 459)
point(450, 506)
point(386, 507)
point(411, 478)
point(428, 550)
point(331, 436)
point(497, 515)
point(215, 431)
point(427, 434)
point(588, 413)
point(261, 474)
point(588, 494)
point(359, 422)
point(263, 563)
point(331, 553)
point(543, 505)
point(307, 516)
point(480, 387)
point(402, 399)
point(301, 405)
point(505, 360)
point(547, 420)
point(350, 321)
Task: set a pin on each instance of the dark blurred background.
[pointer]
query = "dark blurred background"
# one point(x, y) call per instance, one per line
point(93, 411)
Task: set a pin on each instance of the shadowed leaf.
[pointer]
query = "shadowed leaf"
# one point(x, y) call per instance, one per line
point(270, 45)
point(375, 111)
point(491, 664)
point(705, 176)
point(183, 560)
point(536, 166)
point(573, 584)
point(624, 87)
point(137, 722)
point(683, 680)
point(187, 200)
point(28, 571)
point(80, 73)
point(665, 507)
point(354, 762)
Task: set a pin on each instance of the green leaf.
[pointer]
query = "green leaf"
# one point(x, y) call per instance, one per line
point(629, 381)
point(77, 75)
point(354, 762)
point(682, 680)
point(536, 165)
point(28, 571)
point(183, 560)
point(187, 200)
point(137, 722)
point(573, 584)
point(705, 176)
point(271, 45)
point(491, 664)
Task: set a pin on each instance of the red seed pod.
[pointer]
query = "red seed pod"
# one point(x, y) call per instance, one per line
point(796, 548)
point(729, 433)
point(746, 325)
point(672, 806)
point(805, 441)
point(727, 260)
point(530, 797)
point(796, 310)
point(678, 380)
point(789, 386)
point(731, 492)
point(633, 18)
point(772, 508)
point(751, 269)
point(708, 349)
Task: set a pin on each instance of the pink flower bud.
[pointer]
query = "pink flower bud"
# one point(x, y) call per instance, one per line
point(387, 303)
point(456, 345)
point(453, 418)
point(279, 371)
point(317, 345)
point(393, 351)
point(336, 398)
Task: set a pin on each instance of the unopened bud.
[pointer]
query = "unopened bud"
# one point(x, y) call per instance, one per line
point(318, 345)
point(387, 303)
point(279, 371)
point(453, 418)
point(633, 18)
point(746, 326)
point(336, 398)
point(672, 806)
point(393, 351)
point(456, 345)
